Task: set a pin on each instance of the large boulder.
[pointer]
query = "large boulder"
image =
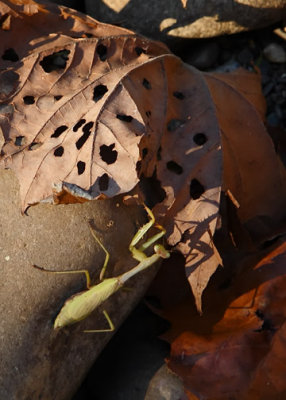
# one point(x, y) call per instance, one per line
point(37, 361)
point(169, 19)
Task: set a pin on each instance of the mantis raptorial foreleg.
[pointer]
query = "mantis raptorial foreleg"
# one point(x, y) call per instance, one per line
point(139, 254)
point(82, 304)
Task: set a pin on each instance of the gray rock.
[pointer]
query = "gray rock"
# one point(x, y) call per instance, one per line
point(68, 3)
point(168, 19)
point(165, 385)
point(38, 362)
point(275, 53)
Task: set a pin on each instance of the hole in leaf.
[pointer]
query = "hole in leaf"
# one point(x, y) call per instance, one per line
point(59, 151)
point(29, 99)
point(144, 152)
point(259, 314)
point(5, 21)
point(125, 118)
point(10, 55)
point(152, 189)
point(200, 139)
point(159, 157)
point(174, 167)
point(103, 182)
point(196, 189)
point(58, 97)
point(19, 141)
point(99, 91)
point(146, 84)
point(9, 80)
point(102, 52)
point(6, 109)
point(78, 125)
point(59, 131)
point(139, 51)
point(107, 153)
point(225, 284)
point(138, 167)
point(86, 133)
point(34, 146)
point(270, 242)
point(267, 323)
point(174, 124)
point(80, 167)
point(179, 95)
point(148, 113)
point(81, 141)
point(87, 127)
point(55, 61)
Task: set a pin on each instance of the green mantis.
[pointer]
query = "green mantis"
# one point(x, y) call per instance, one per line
point(82, 304)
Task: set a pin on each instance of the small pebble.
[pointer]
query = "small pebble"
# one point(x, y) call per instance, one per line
point(275, 53)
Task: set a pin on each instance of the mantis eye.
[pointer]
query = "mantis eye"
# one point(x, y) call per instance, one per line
point(161, 251)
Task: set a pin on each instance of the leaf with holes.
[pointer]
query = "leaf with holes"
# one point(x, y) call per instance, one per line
point(81, 130)
point(41, 24)
point(182, 167)
point(85, 118)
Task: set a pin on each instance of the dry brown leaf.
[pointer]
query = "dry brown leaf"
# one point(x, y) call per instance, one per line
point(42, 23)
point(252, 171)
point(50, 131)
point(85, 118)
point(189, 170)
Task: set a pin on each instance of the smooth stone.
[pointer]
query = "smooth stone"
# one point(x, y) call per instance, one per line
point(168, 20)
point(165, 385)
point(37, 361)
point(275, 53)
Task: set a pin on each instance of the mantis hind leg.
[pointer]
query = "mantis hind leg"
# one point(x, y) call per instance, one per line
point(110, 323)
point(80, 271)
point(103, 269)
point(83, 271)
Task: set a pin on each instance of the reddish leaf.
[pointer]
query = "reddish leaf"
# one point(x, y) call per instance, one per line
point(240, 354)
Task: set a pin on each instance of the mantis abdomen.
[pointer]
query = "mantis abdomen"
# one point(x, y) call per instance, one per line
point(82, 304)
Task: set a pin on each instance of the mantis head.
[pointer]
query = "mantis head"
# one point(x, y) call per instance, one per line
point(161, 251)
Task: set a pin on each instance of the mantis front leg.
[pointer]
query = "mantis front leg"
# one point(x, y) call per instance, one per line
point(139, 254)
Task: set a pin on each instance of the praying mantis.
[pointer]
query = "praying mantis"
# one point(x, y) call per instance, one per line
point(82, 304)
